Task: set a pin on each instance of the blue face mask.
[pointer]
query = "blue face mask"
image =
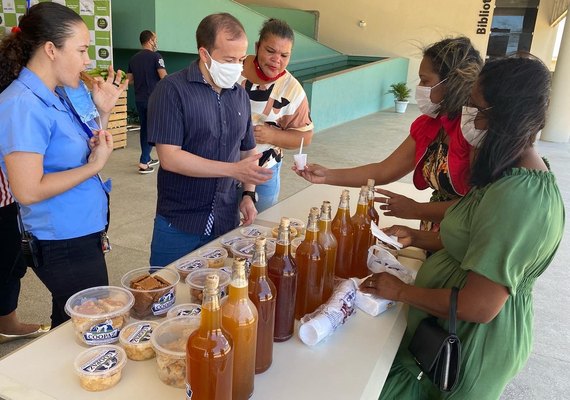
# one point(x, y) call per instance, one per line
point(81, 100)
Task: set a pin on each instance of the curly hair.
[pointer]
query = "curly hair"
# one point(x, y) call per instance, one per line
point(457, 61)
point(43, 22)
point(517, 90)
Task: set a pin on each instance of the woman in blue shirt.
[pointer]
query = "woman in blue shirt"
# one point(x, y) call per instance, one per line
point(52, 158)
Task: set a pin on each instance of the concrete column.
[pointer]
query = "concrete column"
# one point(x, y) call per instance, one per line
point(557, 127)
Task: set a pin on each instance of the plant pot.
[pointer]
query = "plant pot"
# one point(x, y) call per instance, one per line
point(401, 106)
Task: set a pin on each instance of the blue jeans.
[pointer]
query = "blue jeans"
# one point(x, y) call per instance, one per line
point(142, 109)
point(169, 244)
point(268, 192)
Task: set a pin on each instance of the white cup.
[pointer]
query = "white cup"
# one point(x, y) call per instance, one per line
point(300, 161)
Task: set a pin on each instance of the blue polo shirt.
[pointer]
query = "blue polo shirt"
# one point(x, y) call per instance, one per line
point(185, 111)
point(35, 120)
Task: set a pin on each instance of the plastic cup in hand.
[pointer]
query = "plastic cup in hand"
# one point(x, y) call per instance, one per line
point(300, 161)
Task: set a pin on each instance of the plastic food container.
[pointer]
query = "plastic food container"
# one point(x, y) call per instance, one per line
point(292, 230)
point(99, 313)
point(298, 225)
point(188, 264)
point(245, 248)
point(135, 339)
point(100, 367)
point(227, 241)
point(253, 231)
point(197, 278)
point(154, 290)
point(216, 256)
point(169, 342)
point(184, 309)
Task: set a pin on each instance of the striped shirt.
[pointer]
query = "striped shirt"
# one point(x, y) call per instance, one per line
point(5, 195)
point(185, 111)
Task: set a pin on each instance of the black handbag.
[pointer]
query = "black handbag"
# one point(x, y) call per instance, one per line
point(437, 351)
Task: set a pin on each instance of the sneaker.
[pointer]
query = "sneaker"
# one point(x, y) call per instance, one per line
point(147, 170)
point(153, 162)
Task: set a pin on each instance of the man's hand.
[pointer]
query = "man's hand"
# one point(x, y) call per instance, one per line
point(248, 210)
point(248, 171)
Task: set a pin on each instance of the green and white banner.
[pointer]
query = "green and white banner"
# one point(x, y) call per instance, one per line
point(95, 13)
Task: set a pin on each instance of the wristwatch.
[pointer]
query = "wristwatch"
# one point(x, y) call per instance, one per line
point(251, 194)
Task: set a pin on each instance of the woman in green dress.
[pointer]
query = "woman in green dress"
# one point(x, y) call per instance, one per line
point(493, 244)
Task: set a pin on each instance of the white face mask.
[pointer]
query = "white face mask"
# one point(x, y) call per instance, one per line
point(470, 133)
point(224, 75)
point(423, 98)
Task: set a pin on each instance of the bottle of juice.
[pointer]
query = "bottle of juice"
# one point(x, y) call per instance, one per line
point(209, 351)
point(330, 245)
point(372, 213)
point(263, 294)
point(282, 271)
point(344, 234)
point(239, 317)
point(311, 266)
point(361, 225)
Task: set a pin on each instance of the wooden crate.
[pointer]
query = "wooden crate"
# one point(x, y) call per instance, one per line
point(118, 122)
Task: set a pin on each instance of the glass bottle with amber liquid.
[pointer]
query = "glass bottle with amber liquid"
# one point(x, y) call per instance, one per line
point(209, 351)
point(311, 266)
point(329, 243)
point(263, 294)
point(344, 233)
point(361, 225)
point(282, 271)
point(372, 213)
point(239, 317)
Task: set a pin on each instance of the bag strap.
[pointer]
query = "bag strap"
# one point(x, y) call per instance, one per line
point(453, 309)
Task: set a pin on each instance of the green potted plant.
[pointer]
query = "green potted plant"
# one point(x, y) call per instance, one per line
point(401, 93)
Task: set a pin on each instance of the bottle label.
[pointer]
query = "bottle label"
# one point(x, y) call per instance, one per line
point(188, 391)
point(163, 304)
point(102, 333)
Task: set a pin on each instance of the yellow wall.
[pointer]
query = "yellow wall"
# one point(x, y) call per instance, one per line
point(393, 28)
point(544, 36)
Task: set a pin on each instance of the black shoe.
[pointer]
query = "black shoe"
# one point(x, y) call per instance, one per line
point(153, 162)
point(147, 170)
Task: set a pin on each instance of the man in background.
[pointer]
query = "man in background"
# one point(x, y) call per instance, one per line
point(146, 68)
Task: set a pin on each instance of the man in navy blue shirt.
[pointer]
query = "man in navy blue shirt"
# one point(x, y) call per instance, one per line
point(200, 122)
point(146, 68)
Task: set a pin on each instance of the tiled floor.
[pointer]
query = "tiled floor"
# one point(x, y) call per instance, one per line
point(362, 141)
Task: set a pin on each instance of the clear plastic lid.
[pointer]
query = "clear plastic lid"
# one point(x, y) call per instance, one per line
point(171, 335)
point(188, 264)
point(196, 279)
point(184, 309)
point(100, 361)
point(245, 248)
point(137, 333)
point(99, 302)
point(253, 231)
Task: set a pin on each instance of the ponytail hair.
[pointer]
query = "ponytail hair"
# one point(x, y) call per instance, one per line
point(43, 22)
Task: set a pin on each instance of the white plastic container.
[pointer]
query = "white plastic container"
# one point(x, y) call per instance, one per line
point(135, 339)
point(169, 342)
point(100, 367)
point(154, 290)
point(216, 256)
point(188, 264)
point(99, 313)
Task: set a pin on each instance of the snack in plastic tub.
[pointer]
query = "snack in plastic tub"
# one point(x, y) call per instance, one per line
point(216, 256)
point(135, 339)
point(100, 367)
point(253, 231)
point(245, 247)
point(99, 313)
point(227, 241)
point(169, 342)
point(184, 309)
point(197, 278)
point(154, 289)
point(292, 230)
point(299, 225)
point(188, 264)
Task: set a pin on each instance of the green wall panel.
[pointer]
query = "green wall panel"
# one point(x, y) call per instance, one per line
point(304, 22)
point(130, 18)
